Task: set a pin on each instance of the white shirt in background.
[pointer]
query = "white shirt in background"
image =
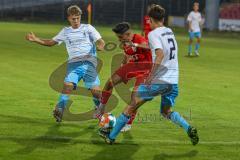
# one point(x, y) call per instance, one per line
point(196, 19)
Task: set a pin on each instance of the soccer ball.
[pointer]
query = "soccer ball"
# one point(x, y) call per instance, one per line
point(108, 121)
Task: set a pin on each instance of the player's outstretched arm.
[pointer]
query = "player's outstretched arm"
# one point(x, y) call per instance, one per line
point(139, 45)
point(142, 45)
point(190, 26)
point(45, 42)
point(100, 44)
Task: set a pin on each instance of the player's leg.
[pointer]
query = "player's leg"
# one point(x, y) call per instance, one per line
point(133, 115)
point(128, 126)
point(139, 80)
point(92, 81)
point(197, 45)
point(107, 91)
point(63, 100)
point(119, 76)
point(168, 101)
point(191, 36)
point(144, 93)
point(96, 93)
point(123, 119)
point(70, 83)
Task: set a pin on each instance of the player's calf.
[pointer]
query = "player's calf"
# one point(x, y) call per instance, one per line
point(176, 118)
point(63, 100)
point(105, 95)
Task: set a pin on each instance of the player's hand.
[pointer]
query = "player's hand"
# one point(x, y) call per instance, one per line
point(100, 47)
point(131, 44)
point(128, 43)
point(31, 37)
point(100, 44)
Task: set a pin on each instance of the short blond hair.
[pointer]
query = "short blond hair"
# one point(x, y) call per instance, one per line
point(74, 10)
point(195, 3)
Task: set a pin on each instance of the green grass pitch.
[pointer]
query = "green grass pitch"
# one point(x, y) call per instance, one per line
point(209, 99)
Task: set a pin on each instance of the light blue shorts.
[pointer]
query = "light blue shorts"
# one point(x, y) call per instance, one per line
point(168, 93)
point(82, 70)
point(194, 34)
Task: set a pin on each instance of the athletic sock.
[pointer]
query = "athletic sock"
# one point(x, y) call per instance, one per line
point(96, 101)
point(133, 116)
point(105, 96)
point(121, 122)
point(63, 100)
point(189, 49)
point(176, 118)
point(197, 47)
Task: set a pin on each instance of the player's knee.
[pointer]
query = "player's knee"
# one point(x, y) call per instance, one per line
point(133, 101)
point(96, 92)
point(109, 85)
point(67, 88)
point(130, 110)
point(166, 111)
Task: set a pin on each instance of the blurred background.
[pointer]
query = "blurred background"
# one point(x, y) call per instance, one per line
point(218, 14)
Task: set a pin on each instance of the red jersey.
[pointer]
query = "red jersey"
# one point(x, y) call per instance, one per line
point(138, 54)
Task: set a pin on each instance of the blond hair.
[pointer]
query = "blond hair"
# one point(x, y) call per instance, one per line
point(74, 10)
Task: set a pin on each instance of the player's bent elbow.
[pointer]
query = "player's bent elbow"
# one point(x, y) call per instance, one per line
point(100, 44)
point(50, 43)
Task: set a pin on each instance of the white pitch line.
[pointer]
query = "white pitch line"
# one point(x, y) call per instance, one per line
point(135, 141)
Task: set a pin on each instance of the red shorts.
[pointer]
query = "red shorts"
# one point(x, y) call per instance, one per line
point(139, 70)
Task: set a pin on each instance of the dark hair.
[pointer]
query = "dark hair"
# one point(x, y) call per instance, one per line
point(74, 10)
point(157, 12)
point(121, 28)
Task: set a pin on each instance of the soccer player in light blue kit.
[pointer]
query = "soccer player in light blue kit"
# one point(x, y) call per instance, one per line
point(81, 42)
point(195, 21)
point(162, 80)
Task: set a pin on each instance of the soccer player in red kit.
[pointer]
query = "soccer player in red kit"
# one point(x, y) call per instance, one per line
point(137, 63)
point(146, 24)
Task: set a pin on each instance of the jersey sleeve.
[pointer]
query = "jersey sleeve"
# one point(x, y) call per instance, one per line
point(155, 41)
point(59, 38)
point(93, 33)
point(189, 17)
